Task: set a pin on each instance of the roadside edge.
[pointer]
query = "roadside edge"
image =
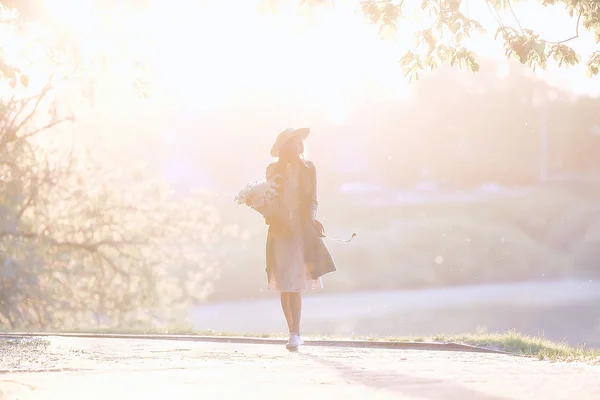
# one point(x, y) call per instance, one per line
point(381, 344)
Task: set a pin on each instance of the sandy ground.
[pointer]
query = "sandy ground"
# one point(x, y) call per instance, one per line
point(125, 369)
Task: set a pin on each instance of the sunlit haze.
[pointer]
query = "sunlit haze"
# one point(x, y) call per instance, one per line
point(230, 78)
point(297, 202)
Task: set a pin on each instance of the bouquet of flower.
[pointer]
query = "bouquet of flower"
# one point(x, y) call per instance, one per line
point(259, 195)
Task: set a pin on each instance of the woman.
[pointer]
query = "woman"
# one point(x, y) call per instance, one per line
point(296, 254)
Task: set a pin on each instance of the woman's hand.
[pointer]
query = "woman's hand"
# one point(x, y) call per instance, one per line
point(319, 228)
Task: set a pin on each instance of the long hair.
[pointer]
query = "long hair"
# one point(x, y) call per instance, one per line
point(283, 162)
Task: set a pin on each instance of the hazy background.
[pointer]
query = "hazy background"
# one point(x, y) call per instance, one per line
point(475, 197)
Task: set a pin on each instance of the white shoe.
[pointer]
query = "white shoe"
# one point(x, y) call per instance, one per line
point(294, 341)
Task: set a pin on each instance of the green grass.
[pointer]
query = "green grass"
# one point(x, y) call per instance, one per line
point(511, 342)
point(552, 232)
point(25, 350)
point(516, 343)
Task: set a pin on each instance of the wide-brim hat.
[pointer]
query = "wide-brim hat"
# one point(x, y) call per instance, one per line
point(286, 135)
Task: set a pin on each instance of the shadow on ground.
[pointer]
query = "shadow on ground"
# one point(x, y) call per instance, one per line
point(408, 385)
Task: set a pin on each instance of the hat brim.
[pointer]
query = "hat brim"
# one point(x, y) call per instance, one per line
point(287, 135)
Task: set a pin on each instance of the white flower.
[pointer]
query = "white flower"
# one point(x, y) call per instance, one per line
point(258, 194)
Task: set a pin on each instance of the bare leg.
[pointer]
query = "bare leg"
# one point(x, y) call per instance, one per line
point(296, 307)
point(287, 309)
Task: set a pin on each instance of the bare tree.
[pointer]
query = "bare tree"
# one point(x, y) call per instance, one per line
point(77, 249)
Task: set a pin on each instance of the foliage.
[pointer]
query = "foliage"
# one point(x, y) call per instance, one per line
point(448, 25)
point(452, 25)
point(442, 30)
point(546, 234)
point(84, 244)
point(456, 128)
point(459, 249)
point(517, 343)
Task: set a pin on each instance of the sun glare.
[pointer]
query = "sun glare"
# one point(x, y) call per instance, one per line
point(77, 18)
point(205, 56)
point(339, 113)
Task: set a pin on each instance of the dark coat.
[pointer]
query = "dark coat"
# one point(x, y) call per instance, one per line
point(316, 253)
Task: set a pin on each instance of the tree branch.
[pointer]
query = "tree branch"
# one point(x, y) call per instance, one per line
point(23, 103)
point(576, 32)
point(48, 126)
point(514, 15)
point(91, 247)
point(495, 14)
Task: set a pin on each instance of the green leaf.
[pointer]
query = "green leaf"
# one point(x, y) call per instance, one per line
point(417, 38)
point(24, 80)
point(466, 30)
point(540, 47)
point(9, 72)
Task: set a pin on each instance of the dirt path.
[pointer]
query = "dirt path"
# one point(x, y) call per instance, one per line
point(124, 369)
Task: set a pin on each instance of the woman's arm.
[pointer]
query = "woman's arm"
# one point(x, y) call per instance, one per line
point(270, 171)
point(270, 212)
point(314, 204)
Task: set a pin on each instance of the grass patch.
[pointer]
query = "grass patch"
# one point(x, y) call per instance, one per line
point(22, 349)
point(26, 344)
point(552, 232)
point(511, 342)
point(516, 343)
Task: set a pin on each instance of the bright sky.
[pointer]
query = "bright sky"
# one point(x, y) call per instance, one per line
point(205, 51)
point(205, 58)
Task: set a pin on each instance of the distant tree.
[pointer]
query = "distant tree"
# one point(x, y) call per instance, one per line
point(84, 243)
point(77, 248)
point(456, 128)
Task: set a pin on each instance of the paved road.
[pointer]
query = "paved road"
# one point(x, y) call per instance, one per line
point(126, 369)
